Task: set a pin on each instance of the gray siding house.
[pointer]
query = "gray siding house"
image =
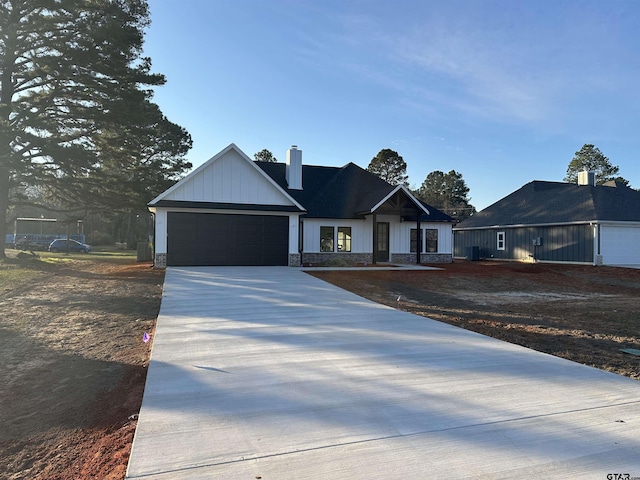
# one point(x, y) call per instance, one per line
point(557, 222)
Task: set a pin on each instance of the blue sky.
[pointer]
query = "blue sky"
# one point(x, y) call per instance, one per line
point(504, 92)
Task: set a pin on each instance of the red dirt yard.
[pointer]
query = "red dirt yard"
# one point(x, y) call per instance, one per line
point(73, 363)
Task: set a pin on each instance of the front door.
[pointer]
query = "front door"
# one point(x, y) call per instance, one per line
point(382, 242)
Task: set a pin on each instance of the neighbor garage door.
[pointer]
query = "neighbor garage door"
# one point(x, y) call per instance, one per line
point(620, 245)
point(220, 239)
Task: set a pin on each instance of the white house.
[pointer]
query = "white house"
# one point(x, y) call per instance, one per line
point(236, 211)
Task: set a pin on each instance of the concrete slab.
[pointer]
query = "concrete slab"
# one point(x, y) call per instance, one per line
point(271, 373)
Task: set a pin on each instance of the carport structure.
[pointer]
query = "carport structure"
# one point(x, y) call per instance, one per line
point(270, 373)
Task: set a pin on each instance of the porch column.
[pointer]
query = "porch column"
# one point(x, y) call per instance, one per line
point(374, 250)
point(418, 238)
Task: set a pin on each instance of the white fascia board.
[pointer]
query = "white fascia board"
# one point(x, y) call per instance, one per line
point(407, 192)
point(231, 146)
point(613, 223)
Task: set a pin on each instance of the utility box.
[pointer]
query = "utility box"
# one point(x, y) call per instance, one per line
point(473, 253)
point(145, 252)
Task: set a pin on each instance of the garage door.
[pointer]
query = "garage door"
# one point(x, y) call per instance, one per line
point(620, 245)
point(220, 239)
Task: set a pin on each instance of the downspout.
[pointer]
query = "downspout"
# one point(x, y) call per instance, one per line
point(418, 238)
point(153, 242)
point(598, 257)
point(300, 238)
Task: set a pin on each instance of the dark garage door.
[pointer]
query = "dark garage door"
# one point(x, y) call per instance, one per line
point(219, 239)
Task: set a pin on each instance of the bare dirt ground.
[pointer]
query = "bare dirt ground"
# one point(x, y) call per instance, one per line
point(581, 313)
point(73, 363)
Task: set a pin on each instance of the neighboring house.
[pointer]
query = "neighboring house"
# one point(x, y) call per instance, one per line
point(557, 222)
point(234, 211)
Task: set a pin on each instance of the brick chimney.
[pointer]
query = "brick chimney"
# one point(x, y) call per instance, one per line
point(294, 168)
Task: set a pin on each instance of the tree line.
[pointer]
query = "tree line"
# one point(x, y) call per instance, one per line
point(79, 132)
point(449, 193)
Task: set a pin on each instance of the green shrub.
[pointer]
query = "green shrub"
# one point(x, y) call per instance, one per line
point(100, 238)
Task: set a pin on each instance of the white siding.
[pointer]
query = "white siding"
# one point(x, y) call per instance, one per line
point(620, 245)
point(230, 179)
point(403, 236)
point(293, 232)
point(362, 236)
point(161, 231)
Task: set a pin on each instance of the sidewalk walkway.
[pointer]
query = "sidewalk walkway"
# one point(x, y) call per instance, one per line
point(269, 373)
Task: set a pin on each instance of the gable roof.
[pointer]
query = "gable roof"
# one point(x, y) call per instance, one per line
point(204, 187)
point(344, 192)
point(540, 202)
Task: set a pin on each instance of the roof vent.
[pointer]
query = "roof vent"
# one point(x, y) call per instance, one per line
point(587, 178)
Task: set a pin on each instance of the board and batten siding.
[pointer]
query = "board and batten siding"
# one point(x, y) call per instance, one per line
point(403, 237)
point(361, 238)
point(559, 243)
point(230, 179)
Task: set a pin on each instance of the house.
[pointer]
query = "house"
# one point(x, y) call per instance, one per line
point(235, 211)
point(580, 223)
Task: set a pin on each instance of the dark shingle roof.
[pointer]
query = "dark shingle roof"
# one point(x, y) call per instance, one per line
point(541, 202)
point(338, 192)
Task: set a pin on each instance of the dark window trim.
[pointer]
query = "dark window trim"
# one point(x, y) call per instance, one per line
point(326, 243)
point(346, 250)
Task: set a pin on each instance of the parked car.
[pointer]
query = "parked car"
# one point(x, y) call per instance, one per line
point(63, 245)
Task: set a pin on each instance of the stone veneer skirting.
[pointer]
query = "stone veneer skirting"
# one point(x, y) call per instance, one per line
point(294, 259)
point(160, 260)
point(340, 259)
point(424, 258)
point(336, 259)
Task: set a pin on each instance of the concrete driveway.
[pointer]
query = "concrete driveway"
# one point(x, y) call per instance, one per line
point(269, 373)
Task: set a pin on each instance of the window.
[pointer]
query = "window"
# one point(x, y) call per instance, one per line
point(432, 240)
point(344, 239)
point(500, 239)
point(326, 239)
point(414, 241)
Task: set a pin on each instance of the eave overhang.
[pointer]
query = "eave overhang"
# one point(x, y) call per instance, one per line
point(224, 206)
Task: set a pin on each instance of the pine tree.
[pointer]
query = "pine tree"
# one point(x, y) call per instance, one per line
point(447, 192)
point(74, 86)
point(590, 158)
point(390, 167)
